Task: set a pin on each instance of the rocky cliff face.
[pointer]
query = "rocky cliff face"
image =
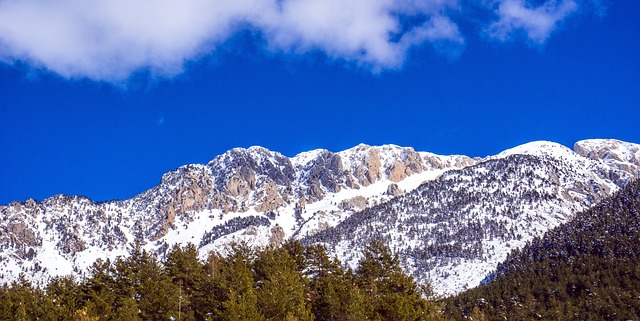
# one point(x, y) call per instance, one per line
point(264, 197)
point(236, 190)
point(620, 155)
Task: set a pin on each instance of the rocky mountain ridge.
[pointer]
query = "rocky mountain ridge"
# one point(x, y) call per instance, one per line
point(452, 231)
point(263, 197)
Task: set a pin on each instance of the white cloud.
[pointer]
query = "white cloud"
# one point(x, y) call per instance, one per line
point(354, 29)
point(537, 22)
point(109, 40)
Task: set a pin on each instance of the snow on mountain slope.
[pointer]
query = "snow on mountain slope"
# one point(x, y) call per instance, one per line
point(452, 231)
point(252, 194)
point(618, 154)
point(263, 197)
point(540, 148)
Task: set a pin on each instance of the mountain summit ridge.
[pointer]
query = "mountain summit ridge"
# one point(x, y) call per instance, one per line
point(263, 197)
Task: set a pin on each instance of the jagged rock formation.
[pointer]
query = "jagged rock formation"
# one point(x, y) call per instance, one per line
point(618, 154)
point(264, 197)
point(241, 188)
point(357, 203)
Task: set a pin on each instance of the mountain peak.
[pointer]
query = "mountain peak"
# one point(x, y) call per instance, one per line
point(304, 158)
point(539, 148)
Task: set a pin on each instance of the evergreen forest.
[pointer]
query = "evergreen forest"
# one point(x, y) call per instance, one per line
point(290, 282)
point(586, 269)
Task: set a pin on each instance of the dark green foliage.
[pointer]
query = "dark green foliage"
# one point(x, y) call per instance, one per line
point(238, 299)
point(98, 292)
point(280, 286)
point(333, 292)
point(21, 302)
point(287, 283)
point(587, 269)
point(63, 293)
point(185, 269)
point(391, 294)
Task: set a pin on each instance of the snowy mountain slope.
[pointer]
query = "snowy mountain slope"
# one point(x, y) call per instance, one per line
point(618, 154)
point(454, 230)
point(264, 197)
point(252, 194)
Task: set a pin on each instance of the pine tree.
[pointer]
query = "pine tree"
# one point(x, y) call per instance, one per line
point(98, 291)
point(392, 294)
point(140, 279)
point(157, 297)
point(235, 281)
point(5, 303)
point(127, 310)
point(63, 295)
point(27, 302)
point(281, 288)
point(188, 273)
point(333, 294)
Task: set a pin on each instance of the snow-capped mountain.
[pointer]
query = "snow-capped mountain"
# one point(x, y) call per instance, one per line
point(452, 231)
point(452, 218)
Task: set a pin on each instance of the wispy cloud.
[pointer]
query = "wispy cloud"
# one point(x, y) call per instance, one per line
point(536, 21)
point(109, 40)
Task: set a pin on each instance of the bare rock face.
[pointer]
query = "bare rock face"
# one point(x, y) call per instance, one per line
point(397, 172)
point(621, 155)
point(433, 161)
point(412, 164)
point(370, 172)
point(241, 185)
point(323, 173)
point(363, 164)
point(354, 204)
point(20, 237)
point(269, 199)
point(22, 233)
point(394, 190)
point(247, 175)
point(350, 182)
point(277, 236)
point(195, 193)
point(354, 168)
point(188, 189)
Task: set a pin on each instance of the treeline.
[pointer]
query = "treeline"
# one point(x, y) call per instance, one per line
point(587, 269)
point(290, 282)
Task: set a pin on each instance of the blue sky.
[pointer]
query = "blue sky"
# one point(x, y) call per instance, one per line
point(104, 113)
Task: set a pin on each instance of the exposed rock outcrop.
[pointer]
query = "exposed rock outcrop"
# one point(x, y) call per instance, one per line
point(354, 204)
point(622, 155)
point(277, 236)
point(394, 190)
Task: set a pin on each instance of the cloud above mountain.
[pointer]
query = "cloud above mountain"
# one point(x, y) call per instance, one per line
point(109, 40)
